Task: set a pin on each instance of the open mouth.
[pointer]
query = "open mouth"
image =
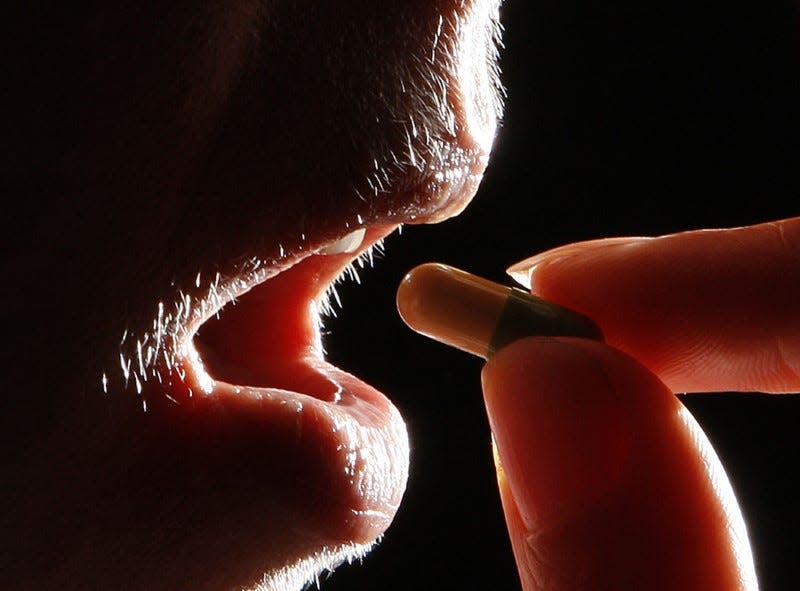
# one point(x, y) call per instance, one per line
point(258, 349)
point(259, 333)
point(269, 337)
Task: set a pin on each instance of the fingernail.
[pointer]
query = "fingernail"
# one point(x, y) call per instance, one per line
point(523, 272)
point(561, 433)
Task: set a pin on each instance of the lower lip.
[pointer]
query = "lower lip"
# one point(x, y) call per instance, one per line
point(354, 453)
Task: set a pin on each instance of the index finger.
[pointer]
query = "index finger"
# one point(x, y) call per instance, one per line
point(706, 310)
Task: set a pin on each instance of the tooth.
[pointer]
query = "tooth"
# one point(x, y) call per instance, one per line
point(349, 243)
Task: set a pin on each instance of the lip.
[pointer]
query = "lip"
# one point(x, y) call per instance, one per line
point(351, 439)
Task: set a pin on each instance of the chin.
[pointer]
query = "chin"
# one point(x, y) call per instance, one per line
point(246, 459)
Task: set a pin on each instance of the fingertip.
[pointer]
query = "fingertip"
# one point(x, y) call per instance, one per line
point(548, 401)
point(604, 476)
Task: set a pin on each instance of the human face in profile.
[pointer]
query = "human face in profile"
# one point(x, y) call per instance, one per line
point(170, 159)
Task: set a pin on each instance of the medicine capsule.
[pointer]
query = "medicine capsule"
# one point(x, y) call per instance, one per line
point(479, 316)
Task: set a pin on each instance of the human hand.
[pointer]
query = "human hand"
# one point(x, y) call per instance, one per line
point(606, 479)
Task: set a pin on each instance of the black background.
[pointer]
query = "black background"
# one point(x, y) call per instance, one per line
point(622, 119)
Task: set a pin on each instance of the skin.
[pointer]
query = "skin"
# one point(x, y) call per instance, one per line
point(148, 151)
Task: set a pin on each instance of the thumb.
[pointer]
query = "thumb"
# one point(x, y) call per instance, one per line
point(606, 480)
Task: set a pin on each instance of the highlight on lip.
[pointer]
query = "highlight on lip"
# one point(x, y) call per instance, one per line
point(479, 316)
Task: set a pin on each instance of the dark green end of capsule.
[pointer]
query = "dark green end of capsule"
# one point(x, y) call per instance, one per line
point(525, 315)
